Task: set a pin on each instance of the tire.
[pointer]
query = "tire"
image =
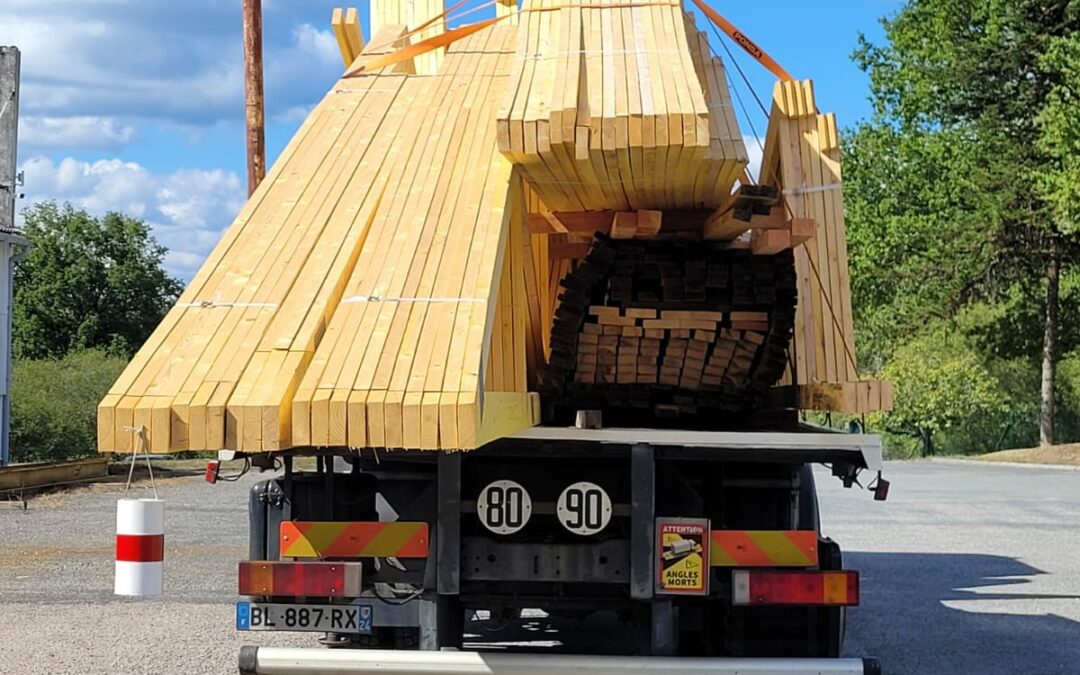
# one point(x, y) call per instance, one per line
point(809, 514)
point(832, 621)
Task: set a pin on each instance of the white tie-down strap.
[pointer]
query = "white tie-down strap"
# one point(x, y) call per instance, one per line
point(218, 302)
point(794, 192)
point(379, 298)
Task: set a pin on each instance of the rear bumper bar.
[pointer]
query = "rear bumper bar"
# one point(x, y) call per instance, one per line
point(278, 661)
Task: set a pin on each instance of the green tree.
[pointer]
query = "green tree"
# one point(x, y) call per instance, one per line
point(940, 384)
point(88, 283)
point(973, 142)
point(920, 245)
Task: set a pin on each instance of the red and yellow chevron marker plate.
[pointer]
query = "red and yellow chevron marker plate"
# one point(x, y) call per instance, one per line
point(353, 540)
point(761, 548)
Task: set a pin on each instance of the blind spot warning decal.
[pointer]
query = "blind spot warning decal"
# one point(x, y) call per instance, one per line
point(682, 556)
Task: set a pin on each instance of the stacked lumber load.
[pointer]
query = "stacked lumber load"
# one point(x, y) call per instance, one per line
point(669, 330)
point(400, 363)
point(802, 160)
point(375, 241)
point(260, 302)
point(617, 105)
point(429, 256)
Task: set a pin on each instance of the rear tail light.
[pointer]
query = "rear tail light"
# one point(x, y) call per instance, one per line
point(213, 467)
point(773, 587)
point(300, 579)
point(881, 488)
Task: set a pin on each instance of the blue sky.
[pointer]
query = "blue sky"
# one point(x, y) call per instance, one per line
point(137, 105)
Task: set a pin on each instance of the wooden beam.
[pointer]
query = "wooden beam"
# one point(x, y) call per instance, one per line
point(569, 251)
point(353, 32)
point(802, 230)
point(649, 223)
point(506, 413)
point(625, 225)
point(755, 195)
point(554, 223)
point(775, 219)
point(729, 224)
point(851, 398)
point(337, 23)
point(724, 226)
point(770, 242)
point(581, 222)
point(30, 476)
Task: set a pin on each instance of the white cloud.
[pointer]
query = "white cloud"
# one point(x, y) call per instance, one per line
point(187, 209)
point(37, 134)
point(318, 43)
point(295, 114)
point(173, 62)
point(115, 73)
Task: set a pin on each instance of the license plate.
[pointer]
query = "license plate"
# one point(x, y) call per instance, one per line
point(318, 618)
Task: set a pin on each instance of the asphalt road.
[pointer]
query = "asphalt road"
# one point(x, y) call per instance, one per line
point(966, 569)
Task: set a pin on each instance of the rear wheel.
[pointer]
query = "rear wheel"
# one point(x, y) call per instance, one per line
point(829, 623)
point(809, 514)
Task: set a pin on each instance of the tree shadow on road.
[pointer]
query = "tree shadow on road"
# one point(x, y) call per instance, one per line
point(905, 622)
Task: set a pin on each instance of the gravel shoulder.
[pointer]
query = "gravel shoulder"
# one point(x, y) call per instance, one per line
point(56, 575)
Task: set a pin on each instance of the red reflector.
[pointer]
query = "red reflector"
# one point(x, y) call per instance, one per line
point(772, 587)
point(140, 547)
point(300, 579)
point(212, 469)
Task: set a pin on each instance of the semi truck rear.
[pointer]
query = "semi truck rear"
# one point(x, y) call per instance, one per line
point(704, 550)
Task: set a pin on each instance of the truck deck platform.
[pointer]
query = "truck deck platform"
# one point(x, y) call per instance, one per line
point(811, 445)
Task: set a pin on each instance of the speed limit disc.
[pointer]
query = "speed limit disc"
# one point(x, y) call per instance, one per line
point(584, 508)
point(504, 507)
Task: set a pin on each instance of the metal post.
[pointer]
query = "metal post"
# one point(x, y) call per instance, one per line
point(441, 615)
point(13, 246)
point(665, 628)
point(449, 524)
point(253, 93)
point(642, 517)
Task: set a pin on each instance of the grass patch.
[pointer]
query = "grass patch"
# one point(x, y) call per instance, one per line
point(1068, 454)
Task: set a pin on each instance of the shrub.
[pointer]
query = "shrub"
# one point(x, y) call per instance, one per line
point(54, 405)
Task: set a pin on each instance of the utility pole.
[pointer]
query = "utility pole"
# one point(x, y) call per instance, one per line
point(13, 246)
point(9, 129)
point(253, 93)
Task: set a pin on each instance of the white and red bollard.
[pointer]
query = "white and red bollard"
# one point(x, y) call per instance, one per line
point(140, 546)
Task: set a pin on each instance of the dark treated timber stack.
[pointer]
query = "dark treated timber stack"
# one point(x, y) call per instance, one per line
point(670, 330)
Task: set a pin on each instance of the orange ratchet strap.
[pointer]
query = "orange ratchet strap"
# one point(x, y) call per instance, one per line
point(451, 36)
point(746, 43)
point(420, 28)
point(424, 46)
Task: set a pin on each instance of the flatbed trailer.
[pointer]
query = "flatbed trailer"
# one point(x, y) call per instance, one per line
point(568, 521)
